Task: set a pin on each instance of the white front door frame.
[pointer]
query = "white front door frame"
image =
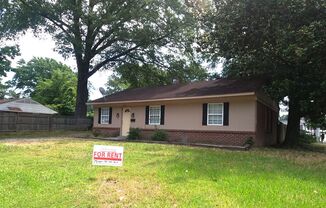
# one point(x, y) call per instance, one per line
point(125, 121)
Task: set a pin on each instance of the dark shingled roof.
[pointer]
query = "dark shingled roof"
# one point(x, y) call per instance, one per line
point(194, 89)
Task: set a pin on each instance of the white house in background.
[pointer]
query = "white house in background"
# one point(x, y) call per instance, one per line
point(24, 105)
point(305, 127)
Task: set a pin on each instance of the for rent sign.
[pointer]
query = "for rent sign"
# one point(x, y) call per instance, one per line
point(107, 155)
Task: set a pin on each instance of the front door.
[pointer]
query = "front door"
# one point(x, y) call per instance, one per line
point(125, 121)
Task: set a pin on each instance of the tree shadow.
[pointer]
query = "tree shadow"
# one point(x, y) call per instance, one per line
point(213, 165)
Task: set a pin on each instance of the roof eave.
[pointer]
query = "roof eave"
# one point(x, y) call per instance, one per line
point(172, 99)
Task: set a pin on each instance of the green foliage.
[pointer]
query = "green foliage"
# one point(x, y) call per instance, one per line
point(96, 133)
point(47, 81)
point(134, 134)
point(133, 75)
point(11, 22)
point(7, 53)
point(282, 40)
point(106, 34)
point(3, 89)
point(249, 141)
point(28, 75)
point(306, 138)
point(159, 135)
point(58, 91)
point(317, 123)
point(12, 94)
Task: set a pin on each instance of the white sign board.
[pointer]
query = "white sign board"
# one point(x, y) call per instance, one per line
point(107, 155)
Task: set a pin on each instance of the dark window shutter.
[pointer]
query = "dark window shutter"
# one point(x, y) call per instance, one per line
point(204, 122)
point(110, 115)
point(226, 114)
point(146, 115)
point(162, 114)
point(99, 115)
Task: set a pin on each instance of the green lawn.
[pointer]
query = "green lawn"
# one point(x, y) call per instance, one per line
point(44, 134)
point(58, 173)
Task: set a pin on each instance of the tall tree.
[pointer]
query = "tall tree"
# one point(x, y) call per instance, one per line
point(283, 39)
point(12, 21)
point(27, 75)
point(147, 75)
point(104, 34)
point(3, 90)
point(6, 52)
point(58, 91)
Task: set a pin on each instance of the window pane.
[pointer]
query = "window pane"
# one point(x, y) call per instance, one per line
point(105, 119)
point(154, 119)
point(105, 111)
point(105, 115)
point(215, 119)
point(155, 111)
point(215, 109)
point(154, 115)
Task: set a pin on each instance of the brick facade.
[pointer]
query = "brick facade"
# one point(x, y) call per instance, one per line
point(204, 137)
point(111, 132)
point(186, 136)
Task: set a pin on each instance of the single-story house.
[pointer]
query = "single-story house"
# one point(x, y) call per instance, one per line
point(24, 105)
point(222, 111)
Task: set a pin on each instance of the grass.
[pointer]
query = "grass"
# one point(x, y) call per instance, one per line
point(38, 134)
point(316, 147)
point(58, 173)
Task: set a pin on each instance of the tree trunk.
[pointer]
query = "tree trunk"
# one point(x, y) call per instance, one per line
point(82, 92)
point(293, 127)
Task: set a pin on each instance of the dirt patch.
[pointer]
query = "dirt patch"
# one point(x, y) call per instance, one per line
point(299, 157)
point(118, 192)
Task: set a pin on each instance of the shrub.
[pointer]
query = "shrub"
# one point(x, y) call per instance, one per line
point(134, 134)
point(249, 142)
point(306, 138)
point(159, 135)
point(96, 133)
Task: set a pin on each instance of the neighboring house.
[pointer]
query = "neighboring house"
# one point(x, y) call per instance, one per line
point(222, 111)
point(24, 105)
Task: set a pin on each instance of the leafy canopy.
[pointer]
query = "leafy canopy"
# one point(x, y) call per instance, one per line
point(28, 75)
point(133, 76)
point(3, 90)
point(104, 34)
point(282, 39)
point(58, 91)
point(6, 52)
point(109, 31)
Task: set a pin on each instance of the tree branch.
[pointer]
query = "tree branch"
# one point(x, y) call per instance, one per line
point(103, 63)
point(61, 24)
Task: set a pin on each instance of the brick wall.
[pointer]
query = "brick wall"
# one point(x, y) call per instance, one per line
point(186, 136)
point(111, 132)
point(204, 137)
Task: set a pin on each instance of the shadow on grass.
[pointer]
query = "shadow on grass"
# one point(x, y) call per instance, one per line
point(251, 178)
point(206, 163)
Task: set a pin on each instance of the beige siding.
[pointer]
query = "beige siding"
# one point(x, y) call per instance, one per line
point(116, 118)
point(187, 115)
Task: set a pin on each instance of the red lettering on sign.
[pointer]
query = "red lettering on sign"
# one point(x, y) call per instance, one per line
point(107, 156)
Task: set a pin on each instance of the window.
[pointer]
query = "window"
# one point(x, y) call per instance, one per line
point(154, 115)
point(215, 114)
point(104, 115)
